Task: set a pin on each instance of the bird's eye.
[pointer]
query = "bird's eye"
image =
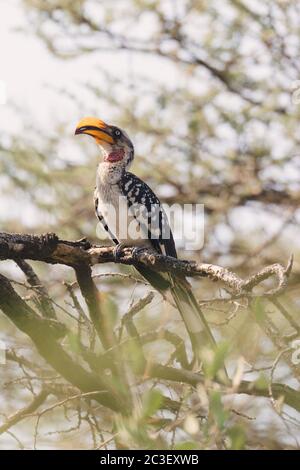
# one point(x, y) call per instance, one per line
point(117, 133)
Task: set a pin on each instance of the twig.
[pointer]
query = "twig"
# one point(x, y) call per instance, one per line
point(43, 301)
point(26, 411)
point(286, 314)
point(92, 298)
point(57, 404)
point(43, 337)
point(270, 388)
point(127, 319)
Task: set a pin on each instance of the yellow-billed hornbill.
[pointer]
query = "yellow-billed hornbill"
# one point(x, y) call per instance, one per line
point(122, 199)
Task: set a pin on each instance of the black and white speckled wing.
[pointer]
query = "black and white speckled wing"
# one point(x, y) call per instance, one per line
point(146, 208)
point(102, 220)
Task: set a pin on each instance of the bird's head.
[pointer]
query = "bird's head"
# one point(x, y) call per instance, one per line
point(115, 144)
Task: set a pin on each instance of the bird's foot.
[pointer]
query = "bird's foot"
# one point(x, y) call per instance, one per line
point(84, 243)
point(137, 250)
point(117, 253)
point(49, 239)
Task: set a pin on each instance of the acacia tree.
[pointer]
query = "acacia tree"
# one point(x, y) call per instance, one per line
point(119, 377)
point(226, 125)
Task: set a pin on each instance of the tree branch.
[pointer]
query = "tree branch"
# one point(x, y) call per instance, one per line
point(52, 250)
point(92, 298)
point(37, 401)
point(81, 256)
point(41, 333)
point(42, 298)
point(291, 396)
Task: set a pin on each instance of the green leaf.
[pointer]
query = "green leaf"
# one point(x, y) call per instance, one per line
point(151, 402)
point(188, 445)
point(217, 409)
point(261, 383)
point(133, 355)
point(237, 438)
point(214, 361)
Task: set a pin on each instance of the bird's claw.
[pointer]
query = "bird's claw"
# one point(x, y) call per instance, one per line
point(117, 253)
point(84, 243)
point(136, 252)
point(49, 239)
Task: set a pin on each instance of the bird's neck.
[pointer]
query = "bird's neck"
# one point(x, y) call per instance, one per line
point(109, 174)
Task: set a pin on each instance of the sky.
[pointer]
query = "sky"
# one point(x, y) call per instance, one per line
point(29, 73)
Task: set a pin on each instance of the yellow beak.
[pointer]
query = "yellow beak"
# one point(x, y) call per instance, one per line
point(96, 128)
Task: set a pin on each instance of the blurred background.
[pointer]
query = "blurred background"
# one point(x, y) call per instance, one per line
point(209, 92)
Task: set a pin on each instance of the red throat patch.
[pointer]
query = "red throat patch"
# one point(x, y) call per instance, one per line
point(115, 156)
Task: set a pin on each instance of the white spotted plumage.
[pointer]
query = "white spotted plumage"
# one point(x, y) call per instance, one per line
point(125, 192)
point(127, 200)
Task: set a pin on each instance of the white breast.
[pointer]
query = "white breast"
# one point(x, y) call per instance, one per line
point(113, 206)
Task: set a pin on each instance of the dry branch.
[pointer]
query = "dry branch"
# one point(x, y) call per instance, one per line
point(52, 250)
point(43, 301)
point(37, 401)
point(45, 340)
point(81, 256)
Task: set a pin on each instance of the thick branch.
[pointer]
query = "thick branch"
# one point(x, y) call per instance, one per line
point(75, 254)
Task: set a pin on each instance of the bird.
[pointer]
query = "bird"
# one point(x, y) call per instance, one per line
point(126, 207)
